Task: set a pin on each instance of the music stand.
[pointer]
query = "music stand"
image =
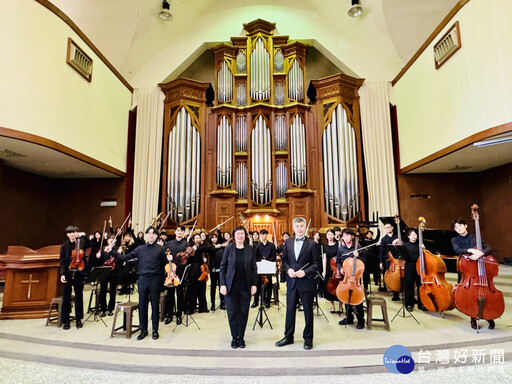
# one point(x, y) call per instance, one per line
point(399, 252)
point(98, 275)
point(265, 267)
point(188, 317)
point(315, 300)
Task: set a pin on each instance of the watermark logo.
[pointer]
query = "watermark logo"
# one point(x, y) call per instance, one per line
point(398, 359)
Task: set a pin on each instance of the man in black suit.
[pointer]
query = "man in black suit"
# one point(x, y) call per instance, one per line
point(301, 260)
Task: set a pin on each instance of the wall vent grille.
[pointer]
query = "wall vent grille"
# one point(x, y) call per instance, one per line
point(79, 60)
point(447, 46)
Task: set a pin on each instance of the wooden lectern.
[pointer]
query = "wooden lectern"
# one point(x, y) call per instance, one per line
point(31, 281)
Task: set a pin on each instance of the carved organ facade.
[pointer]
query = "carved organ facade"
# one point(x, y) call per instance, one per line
point(261, 152)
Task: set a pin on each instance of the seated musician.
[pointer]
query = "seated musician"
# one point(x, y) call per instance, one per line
point(388, 238)
point(465, 245)
point(266, 250)
point(348, 239)
point(72, 278)
point(411, 276)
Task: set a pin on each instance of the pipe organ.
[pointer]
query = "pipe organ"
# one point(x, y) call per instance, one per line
point(261, 150)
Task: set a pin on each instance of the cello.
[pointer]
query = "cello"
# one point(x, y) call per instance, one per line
point(435, 291)
point(350, 291)
point(476, 296)
point(334, 280)
point(394, 276)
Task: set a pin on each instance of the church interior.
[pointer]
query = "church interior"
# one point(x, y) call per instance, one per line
point(215, 115)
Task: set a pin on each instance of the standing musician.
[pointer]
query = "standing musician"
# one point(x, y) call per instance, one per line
point(216, 251)
point(465, 244)
point(152, 260)
point(386, 240)
point(238, 279)
point(301, 261)
point(330, 251)
point(348, 238)
point(411, 276)
point(372, 259)
point(196, 290)
point(266, 250)
point(285, 236)
point(72, 279)
point(177, 245)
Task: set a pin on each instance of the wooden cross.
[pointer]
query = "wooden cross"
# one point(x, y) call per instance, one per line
point(29, 282)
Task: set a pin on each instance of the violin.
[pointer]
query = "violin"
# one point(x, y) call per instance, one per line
point(475, 295)
point(171, 280)
point(394, 276)
point(185, 255)
point(205, 271)
point(435, 291)
point(334, 280)
point(77, 258)
point(350, 291)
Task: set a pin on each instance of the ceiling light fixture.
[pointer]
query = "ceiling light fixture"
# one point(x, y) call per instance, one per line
point(356, 10)
point(165, 14)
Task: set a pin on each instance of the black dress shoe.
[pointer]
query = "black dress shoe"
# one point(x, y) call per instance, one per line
point(155, 335)
point(409, 308)
point(382, 289)
point(308, 345)
point(234, 343)
point(79, 324)
point(241, 343)
point(103, 314)
point(110, 313)
point(395, 298)
point(284, 341)
point(254, 305)
point(204, 311)
point(346, 321)
point(66, 326)
point(360, 324)
point(178, 320)
point(223, 307)
point(142, 335)
point(422, 308)
point(473, 323)
point(492, 324)
point(267, 305)
point(167, 320)
point(212, 308)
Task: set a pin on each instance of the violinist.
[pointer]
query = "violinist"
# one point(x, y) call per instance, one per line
point(216, 251)
point(464, 244)
point(177, 245)
point(411, 276)
point(152, 259)
point(372, 258)
point(348, 238)
point(196, 290)
point(331, 250)
point(72, 249)
point(387, 239)
point(266, 250)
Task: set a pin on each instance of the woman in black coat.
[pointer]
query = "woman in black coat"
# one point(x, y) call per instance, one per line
point(238, 279)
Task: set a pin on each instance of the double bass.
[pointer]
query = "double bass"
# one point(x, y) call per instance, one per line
point(435, 291)
point(350, 291)
point(476, 296)
point(394, 276)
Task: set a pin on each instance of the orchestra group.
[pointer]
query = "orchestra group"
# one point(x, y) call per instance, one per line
point(339, 269)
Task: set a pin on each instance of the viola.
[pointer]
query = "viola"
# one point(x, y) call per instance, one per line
point(350, 291)
point(77, 258)
point(394, 275)
point(205, 271)
point(475, 295)
point(435, 291)
point(334, 280)
point(172, 279)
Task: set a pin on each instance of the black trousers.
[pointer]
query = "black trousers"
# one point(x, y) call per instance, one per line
point(170, 302)
point(149, 290)
point(258, 290)
point(192, 289)
point(201, 296)
point(214, 283)
point(110, 285)
point(411, 277)
point(267, 293)
point(76, 283)
point(358, 309)
point(237, 305)
point(292, 299)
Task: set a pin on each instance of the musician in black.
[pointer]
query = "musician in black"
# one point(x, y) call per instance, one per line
point(285, 236)
point(152, 260)
point(216, 250)
point(411, 276)
point(72, 279)
point(387, 239)
point(372, 258)
point(464, 244)
point(266, 250)
point(348, 239)
point(176, 295)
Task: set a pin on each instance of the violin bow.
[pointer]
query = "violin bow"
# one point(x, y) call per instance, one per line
point(221, 224)
point(122, 226)
point(307, 228)
point(275, 238)
point(192, 231)
point(102, 234)
point(163, 222)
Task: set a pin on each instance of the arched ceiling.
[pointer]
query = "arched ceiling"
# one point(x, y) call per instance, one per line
point(147, 50)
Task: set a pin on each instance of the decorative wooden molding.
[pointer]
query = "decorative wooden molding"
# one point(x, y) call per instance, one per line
point(430, 39)
point(78, 31)
point(459, 145)
point(28, 137)
point(259, 25)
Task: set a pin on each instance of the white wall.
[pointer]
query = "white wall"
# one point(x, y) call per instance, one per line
point(42, 95)
point(468, 94)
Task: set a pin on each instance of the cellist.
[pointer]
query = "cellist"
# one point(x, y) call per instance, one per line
point(465, 244)
point(348, 239)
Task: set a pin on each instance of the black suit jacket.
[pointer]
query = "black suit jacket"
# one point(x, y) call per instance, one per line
point(227, 266)
point(310, 255)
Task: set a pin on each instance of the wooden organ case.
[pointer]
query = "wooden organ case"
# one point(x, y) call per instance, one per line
point(261, 153)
